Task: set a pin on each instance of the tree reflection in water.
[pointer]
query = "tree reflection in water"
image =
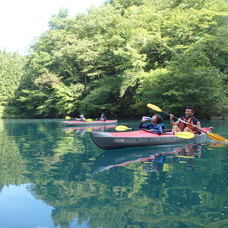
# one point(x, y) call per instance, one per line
point(167, 186)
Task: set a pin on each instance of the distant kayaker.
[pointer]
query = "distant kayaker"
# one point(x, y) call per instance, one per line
point(155, 124)
point(81, 118)
point(103, 117)
point(189, 118)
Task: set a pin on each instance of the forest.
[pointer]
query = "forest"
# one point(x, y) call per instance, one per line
point(118, 57)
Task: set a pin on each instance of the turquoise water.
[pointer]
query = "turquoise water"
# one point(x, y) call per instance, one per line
point(53, 176)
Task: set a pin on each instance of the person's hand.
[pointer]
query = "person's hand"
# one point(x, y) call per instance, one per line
point(171, 116)
point(145, 118)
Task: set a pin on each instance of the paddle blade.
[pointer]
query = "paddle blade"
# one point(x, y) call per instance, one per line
point(216, 137)
point(183, 156)
point(154, 107)
point(89, 119)
point(184, 135)
point(67, 117)
point(122, 128)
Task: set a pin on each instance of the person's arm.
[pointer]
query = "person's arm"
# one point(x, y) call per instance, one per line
point(158, 128)
point(144, 125)
point(172, 122)
point(198, 124)
point(171, 117)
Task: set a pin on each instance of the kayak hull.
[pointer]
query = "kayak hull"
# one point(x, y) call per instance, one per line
point(115, 140)
point(89, 123)
point(89, 128)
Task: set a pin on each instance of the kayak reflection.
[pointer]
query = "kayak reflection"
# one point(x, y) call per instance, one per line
point(159, 158)
point(83, 130)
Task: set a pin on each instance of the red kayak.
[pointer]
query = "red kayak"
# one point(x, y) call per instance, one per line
point(88, 128)
point(114, 140)
point(89, 123)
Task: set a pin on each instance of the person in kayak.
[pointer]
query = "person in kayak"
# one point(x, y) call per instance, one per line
point(155, 125)
point(189, 117)
point(103, 117)
point(81, 118)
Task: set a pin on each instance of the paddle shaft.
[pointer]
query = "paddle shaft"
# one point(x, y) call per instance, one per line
point(186, 122)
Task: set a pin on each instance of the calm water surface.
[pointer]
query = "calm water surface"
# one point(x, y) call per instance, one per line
point(53, 176)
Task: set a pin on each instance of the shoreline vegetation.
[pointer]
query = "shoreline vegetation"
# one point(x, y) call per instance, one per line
point(125, 118)
point(118, 57)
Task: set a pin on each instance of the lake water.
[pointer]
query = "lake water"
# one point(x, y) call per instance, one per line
point(51, 176)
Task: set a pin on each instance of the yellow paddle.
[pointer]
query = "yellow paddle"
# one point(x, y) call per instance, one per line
point(89, 119)
point(183, 156)
point(122, 128)
point(211, 135)
point(67, 117)
point(183, 135)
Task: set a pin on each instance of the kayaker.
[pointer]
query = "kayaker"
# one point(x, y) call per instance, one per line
point(189, 118)
point(103, 117)
point(81, 118)
point(155, 125)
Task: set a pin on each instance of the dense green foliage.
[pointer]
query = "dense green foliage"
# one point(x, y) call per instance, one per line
point(120, 56)
point(11, 70)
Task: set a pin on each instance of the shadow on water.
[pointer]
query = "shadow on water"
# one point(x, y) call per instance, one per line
point(162, 186)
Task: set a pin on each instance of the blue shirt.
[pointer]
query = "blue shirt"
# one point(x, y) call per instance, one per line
point(156, 128)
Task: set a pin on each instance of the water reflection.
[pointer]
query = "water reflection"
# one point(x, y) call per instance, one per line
point(157, 158)
point(165, 186)
point(83, 130)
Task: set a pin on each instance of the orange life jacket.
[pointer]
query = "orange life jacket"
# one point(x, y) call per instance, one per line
point(182, 125)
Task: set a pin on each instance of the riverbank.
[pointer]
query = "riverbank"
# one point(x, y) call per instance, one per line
point(9, 114)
